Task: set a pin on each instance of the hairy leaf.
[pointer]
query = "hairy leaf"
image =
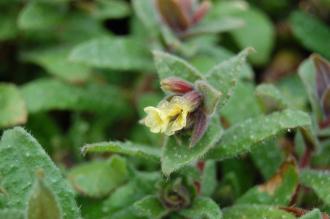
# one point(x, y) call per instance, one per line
point(203, 207)
point(42, 203)
point(21, 156)
point(50, 94)
point(168, 65)
point(126, 148)
point(277, 191)
point(225, 75)
point(177, 153)
point(151, 207)
point(319, 181)
point(240, 138)
point(125, 54)
point(99, 178)
point(255, 212)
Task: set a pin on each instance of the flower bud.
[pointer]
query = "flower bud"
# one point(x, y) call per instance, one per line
point(180, 15)
point(194, 98)
point(323, 84)
point(176, 85)
point(201, 11)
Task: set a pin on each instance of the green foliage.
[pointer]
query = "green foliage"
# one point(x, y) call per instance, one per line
point(42, 203)
point(108, 52)
point(318, 181)
point(176, 154)
point(22, 156)
point(13, 110)
point(203, 208)
point(99, 178)
point(258, 32)
point(255, 211)
point(314, 214)
point(277, 191)
point(311, 32)
point(55, 61)
point(151, 109)
point(11, 214)
point(126, 148)
point(50, 94)
point(241, 138)
point(151, 207)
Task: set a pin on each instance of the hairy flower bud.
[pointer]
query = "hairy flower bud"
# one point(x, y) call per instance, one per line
point(323, 84)
point(176, 85)
point(194, 98)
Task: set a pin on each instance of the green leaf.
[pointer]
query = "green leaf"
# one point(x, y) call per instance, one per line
point(113, 9)
point(42, 203)
point(258, 33)
point(21, 156)
point(319, 181)
point(277, 191)
point(243, 98)
point(210, 55)
point(211, 96)
point(311, 32)
point(139, 185)
point(55, 61)
point(151, 207)
point(50, 94)
point(240, 138)
point(203, 207)
point(13, 109)
point(99, 178)
point(126, 148)
point(216, 26)
point(11, 214)
point(209, 178)
point(177, 154)
point(225, 76)
point(267, 156)
point(270, 97)
point(307, 74)
point(255, 212)
point(124, 54)
point(40, 16)
point(8, 27)
point(146, 12)
point(314, 214)
point(168, 65)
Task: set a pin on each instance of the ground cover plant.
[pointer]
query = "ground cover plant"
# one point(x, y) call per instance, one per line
point(174, 109)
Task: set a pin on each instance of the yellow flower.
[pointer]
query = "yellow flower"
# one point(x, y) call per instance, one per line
point(156, 120)
point(169, 116)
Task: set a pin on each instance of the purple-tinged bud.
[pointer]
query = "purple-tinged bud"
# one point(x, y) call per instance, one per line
point(201, 12)
point(323, 84)
point(173, 14)
point(194, 98)
point(176, 85)
point(200, 126)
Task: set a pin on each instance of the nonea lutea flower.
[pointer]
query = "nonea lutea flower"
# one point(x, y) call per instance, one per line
point(171, 115)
